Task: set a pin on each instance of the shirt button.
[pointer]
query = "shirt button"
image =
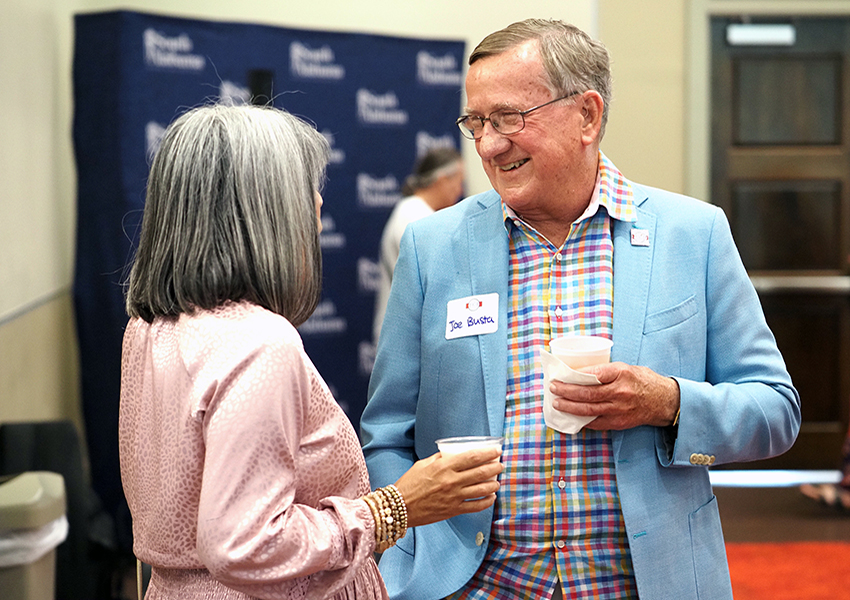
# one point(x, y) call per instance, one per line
point(559, 257)
point(479, 538)
point(558, 312)
point(560, 544)
point(562, 484)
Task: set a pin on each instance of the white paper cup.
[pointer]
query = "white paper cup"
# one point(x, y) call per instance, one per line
point(579, 351)
point(465, 443)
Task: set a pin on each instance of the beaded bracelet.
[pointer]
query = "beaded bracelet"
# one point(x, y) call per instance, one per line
point(379, 534)
point(390, 513)
point(398, 499)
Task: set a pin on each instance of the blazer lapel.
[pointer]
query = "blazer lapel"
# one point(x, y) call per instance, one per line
point(488, 255)
point(632, 271)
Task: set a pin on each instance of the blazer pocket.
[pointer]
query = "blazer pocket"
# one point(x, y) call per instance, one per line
point(711, 569)
point(671, 316)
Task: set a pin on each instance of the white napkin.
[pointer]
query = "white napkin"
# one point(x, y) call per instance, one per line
point(554, 368)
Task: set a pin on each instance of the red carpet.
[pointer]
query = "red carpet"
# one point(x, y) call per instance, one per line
point(790, 570)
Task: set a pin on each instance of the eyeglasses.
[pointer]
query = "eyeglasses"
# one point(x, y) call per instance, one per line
point(506, 121)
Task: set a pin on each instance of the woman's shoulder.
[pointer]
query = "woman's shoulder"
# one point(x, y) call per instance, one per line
point(234, 331)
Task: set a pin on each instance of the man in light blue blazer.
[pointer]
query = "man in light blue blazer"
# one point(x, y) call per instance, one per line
point(695, 378)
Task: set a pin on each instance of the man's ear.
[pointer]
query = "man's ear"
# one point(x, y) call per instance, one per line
point(591, 112)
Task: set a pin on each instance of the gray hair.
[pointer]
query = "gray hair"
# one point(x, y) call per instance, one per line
point(430, 167)
point(573, 61)
point(230, 215)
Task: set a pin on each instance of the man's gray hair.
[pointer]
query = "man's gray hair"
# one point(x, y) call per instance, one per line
point(573, 61)
point(230, 215)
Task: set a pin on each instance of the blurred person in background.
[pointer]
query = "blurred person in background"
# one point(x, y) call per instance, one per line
point(436, 183)
point(835, 495)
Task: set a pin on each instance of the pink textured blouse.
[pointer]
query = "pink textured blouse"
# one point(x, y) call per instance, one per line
point(241, 471)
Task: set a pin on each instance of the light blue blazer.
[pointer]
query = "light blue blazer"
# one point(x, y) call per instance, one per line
point(683, 306)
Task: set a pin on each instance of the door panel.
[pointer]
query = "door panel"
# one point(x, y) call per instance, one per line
point(789, 225)
point(781, 171)
point(787, 100)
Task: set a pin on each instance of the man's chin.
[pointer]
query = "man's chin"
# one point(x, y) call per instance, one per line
point(514, 197)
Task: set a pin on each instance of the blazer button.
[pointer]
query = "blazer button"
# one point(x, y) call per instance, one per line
point(479, 538)
point(701, 459)
point(711, 460)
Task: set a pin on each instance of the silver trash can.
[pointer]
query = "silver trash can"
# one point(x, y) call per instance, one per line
point(32, 525)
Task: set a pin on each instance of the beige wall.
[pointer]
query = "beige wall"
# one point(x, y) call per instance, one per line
point(38, 364)
point(644, 136)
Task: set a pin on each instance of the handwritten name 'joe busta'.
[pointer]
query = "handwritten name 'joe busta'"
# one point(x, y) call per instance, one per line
point(470, 322)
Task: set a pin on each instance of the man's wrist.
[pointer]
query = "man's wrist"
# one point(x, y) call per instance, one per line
point(675, 421)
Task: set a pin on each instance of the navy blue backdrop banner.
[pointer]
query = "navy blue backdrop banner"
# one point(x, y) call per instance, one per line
point(381, 102)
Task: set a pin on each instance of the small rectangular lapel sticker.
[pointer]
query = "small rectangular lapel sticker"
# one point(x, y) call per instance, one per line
point(640, 237)
point(473, 315)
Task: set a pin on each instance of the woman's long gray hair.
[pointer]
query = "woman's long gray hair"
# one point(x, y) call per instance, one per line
point(230, 215)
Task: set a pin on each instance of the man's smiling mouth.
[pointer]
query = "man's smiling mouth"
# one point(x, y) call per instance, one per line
point(513, 165)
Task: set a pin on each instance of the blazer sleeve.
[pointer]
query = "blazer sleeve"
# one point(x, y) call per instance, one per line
point(746, 408)
point(387, 422)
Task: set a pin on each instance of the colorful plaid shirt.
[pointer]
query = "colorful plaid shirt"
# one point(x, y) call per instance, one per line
point(557, 515)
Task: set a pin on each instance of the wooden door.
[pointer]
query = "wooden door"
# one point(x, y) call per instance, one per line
point(781, 171)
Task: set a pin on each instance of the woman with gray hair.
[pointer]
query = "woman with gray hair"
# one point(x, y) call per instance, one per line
point(243, 476)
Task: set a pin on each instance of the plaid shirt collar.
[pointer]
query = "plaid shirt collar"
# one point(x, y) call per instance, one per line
point(613, 191)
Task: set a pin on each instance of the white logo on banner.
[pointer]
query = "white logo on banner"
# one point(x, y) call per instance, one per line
point(366, 352)
point(312, 63)
point(233, 94)
point(324, 320)
point(426, 142)
point(153, 136)
point(368, 274)
point(380, 109)
point(438, 70)
point(337, 156)
point(171, 52)
point(374, 192)
point(330, 238)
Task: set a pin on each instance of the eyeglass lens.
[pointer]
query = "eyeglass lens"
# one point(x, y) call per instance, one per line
point(503, 121)
point(506, 121)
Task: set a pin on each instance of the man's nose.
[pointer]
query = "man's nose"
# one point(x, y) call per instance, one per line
point(491, 143)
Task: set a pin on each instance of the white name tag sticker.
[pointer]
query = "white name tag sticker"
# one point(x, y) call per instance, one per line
point(640, 237)
point(473, 315)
